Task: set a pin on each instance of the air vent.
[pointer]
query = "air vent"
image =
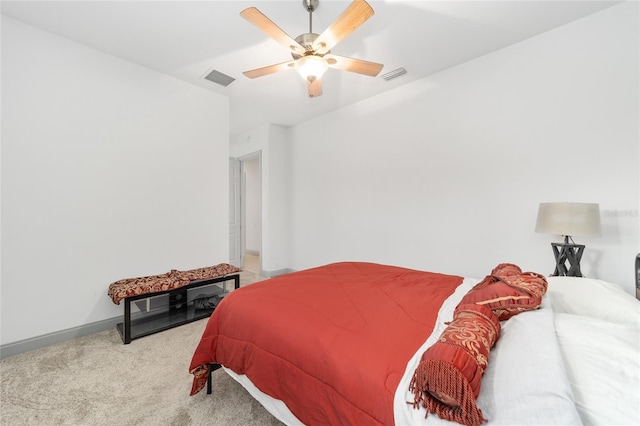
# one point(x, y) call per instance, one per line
point(219, 78)
point(394, 74)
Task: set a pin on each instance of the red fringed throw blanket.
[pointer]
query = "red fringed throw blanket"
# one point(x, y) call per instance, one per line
point(447, 380)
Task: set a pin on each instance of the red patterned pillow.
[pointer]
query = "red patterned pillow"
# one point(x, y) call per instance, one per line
point(447, 380)
point(508, 291)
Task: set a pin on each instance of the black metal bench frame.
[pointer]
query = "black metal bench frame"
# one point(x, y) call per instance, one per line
point(175, 307)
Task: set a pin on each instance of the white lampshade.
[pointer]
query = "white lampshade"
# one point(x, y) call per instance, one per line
point(569, 219)
point(311, 67)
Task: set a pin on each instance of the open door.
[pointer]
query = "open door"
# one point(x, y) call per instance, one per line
point(235, 247)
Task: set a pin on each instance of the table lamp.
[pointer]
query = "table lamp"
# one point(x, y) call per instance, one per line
point(568, 220)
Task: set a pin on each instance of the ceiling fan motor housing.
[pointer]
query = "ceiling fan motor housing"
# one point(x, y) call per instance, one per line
point(306, 40)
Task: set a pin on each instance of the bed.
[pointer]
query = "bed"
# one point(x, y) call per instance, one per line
point(344, 344)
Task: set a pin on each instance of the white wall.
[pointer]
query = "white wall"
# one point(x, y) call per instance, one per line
point(445, 174)
point(109, 171)
point(277, 257)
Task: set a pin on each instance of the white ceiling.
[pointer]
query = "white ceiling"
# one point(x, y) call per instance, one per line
point(188, 39)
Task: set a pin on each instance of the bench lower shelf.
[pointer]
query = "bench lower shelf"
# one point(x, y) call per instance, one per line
point(156, 312)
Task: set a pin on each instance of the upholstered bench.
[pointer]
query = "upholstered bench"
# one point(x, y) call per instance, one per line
point(168, 300)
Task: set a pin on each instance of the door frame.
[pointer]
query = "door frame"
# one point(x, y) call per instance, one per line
point(235, 250)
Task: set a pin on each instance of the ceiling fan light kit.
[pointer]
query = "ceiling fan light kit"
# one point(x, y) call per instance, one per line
point(312, 52)
point(311, 67)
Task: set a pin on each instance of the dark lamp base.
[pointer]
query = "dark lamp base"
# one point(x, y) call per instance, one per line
point(567, 259)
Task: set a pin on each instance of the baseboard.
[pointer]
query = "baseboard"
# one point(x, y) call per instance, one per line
point(33, 343)
point(15, 348)
point(275, 273)
point(253, 252)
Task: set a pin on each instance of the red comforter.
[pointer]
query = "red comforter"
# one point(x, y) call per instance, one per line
point(331, 342)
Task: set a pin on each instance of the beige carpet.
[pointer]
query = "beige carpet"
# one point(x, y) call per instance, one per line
point(97, 380)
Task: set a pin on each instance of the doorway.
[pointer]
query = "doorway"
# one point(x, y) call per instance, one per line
point(251, 212)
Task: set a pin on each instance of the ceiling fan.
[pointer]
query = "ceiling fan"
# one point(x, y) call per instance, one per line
point(312, 52)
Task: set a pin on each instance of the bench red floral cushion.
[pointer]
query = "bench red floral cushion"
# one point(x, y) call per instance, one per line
point(168, 281)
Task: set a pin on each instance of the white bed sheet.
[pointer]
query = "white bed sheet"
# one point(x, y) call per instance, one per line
point(524, 384)
point(538, 372)
point(603, 364)
point(598, 330)
point(276, 407)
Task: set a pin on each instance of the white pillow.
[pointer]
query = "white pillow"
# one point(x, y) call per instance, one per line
point(603, 366)
point(525, 382)
point(593, 298)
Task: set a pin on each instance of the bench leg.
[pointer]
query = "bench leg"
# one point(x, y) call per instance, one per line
point(126, 332)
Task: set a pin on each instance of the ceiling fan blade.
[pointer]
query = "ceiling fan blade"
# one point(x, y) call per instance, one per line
point(314, 88)
point(353, 65)
point(260, 20)
point(271, 69)
point(353, 16)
